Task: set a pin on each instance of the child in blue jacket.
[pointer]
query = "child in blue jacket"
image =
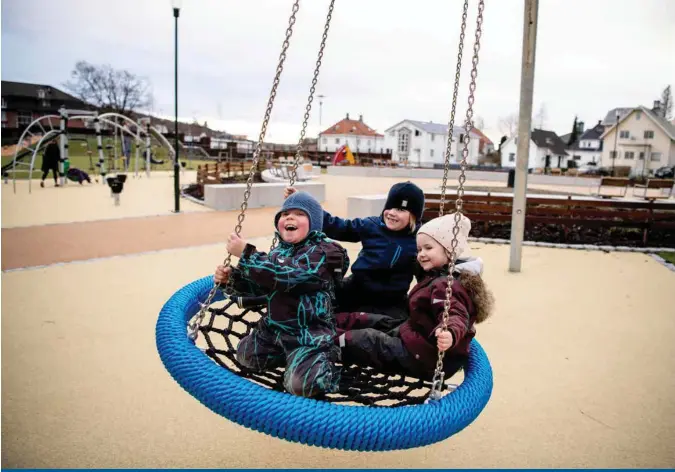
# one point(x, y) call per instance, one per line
point(298, 279)
point(382, 273)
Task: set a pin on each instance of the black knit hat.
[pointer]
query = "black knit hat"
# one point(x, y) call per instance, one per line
point(406, 196)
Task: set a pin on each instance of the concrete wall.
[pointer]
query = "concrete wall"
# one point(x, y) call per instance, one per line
point(230, 196)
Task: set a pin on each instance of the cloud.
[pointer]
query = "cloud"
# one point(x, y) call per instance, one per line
point(387, 60)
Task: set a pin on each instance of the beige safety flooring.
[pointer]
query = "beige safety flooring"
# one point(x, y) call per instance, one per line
point(581, 345)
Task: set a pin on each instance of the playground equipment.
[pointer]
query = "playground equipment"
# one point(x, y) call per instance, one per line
point(257, 399)
point(343, 154)
point(36, 135)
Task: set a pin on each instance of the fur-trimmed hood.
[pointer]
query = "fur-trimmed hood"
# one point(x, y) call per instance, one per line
point(469, 273)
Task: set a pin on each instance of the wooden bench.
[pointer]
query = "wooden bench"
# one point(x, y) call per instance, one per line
point(620, 183)
point(655, 184)
point(562, 214)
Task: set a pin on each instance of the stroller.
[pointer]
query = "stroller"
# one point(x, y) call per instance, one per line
point(77, 175)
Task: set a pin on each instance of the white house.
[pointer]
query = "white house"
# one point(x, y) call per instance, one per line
point(423, 144)
point(645, 141)
point(588, 147)
point(354, 133)
point(546, 150)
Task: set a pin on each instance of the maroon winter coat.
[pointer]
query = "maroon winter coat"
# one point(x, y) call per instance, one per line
point(471, 303)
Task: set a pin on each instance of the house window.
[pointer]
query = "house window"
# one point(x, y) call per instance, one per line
point(431, 153)
point(417, 132)
point(324, 141)
point(4, 118)
point(337, 140)
point(656, 156)
point(24, 118)
point(403, 142)
point(392, 133)
point(358, 141)
point(512, 157)
point(624, 134)
point(45, 103)
point(576, 157)
point(642, 156)
point(629, 155)
point(638, 115)
point(433, 136)
point(4, 102)
point(649, 134)
point(612, 154)
point(41, 93)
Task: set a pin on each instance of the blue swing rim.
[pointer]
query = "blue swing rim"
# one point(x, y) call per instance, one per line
point(305, 420)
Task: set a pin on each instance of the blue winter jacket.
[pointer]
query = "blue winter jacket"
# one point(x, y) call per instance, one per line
point(385, 264)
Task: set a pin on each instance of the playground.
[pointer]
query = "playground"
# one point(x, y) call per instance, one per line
point(108, 296)
point(580, 344)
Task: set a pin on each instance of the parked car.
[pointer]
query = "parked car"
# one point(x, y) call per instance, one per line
point(664, 172)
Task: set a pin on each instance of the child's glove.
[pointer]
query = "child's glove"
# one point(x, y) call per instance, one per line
point(444, 339)
point(222, 274)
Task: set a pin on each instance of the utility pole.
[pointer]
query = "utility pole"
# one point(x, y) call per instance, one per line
point(524, 127)
point(616, 135)
point(320, 97)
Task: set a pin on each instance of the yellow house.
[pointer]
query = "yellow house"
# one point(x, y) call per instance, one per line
point(642, 140)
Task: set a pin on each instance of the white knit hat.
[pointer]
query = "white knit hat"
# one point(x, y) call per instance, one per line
point(441, 229)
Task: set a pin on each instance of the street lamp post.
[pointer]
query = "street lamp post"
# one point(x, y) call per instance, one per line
point(616, 135)
point(176, 4)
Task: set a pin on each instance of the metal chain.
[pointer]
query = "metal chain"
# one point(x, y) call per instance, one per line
point(308, 107)
point(193, 327)
point(312, 89)
point(451, 123)
point(437, 382)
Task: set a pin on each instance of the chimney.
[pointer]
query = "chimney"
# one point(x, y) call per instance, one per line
point(361, 118)
point(347, 115)
point(657, 106)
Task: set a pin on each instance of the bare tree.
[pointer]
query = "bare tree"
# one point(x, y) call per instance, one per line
point(508, 125)
point(110, 89)
point(540, 117)
point(667, 104)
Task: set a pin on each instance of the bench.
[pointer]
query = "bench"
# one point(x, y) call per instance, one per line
point(620, 183)
point(560, 216)
point(655, 184)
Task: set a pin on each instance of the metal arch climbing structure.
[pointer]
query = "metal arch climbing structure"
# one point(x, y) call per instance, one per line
point(46, 131)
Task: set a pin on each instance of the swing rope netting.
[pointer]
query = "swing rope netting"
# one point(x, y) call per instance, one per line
point(401, 412)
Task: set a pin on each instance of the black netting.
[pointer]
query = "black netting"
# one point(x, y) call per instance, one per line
point(225, 326)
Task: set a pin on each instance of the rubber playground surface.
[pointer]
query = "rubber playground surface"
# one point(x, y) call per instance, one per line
point(581, 349)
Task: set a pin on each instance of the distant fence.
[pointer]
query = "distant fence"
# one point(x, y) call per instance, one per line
point(572, 220)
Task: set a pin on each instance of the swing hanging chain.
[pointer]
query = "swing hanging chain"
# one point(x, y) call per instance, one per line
point(455, 93)
point(312, 90)
point(437, 382)
point(308, 107)
point(194, 326)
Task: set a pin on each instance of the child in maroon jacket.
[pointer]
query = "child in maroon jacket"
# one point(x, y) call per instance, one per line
point(411, 348)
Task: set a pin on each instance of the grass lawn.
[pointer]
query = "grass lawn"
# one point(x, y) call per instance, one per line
point(668, 256)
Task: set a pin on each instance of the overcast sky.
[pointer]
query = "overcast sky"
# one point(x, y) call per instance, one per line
point(386, 59)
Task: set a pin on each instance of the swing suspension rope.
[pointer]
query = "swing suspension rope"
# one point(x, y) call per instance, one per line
point(355, 376)
point(438, 377)
point(437, 382)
